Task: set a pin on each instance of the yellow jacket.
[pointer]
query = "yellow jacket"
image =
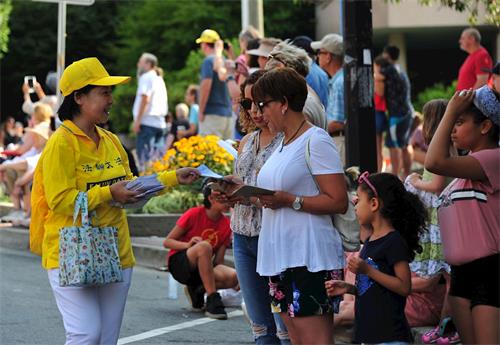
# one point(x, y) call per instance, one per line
point(71, 163)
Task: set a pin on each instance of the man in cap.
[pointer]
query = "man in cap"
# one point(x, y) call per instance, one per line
point(494, 82)
point(316, 78)
point(215, 112)
point(471, 74)
point(265, 48)
point(150, 108)
point(331, 60)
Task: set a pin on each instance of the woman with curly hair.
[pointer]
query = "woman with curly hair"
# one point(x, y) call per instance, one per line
point(254, 150)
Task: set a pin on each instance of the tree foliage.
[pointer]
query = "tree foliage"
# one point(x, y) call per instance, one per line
point(117, 32)
point(5, 9)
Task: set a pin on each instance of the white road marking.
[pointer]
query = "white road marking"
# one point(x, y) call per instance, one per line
point(160, 331)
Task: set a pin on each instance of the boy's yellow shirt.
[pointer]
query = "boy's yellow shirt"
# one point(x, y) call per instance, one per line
point(71, 163)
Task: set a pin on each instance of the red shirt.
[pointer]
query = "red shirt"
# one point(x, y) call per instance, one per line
point(472, 66)
point(196, 223)
point(380, 103)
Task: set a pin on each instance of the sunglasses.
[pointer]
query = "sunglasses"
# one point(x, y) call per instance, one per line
point(363, 178)
point(277, 59)
point(246, 104)
point(262, 104)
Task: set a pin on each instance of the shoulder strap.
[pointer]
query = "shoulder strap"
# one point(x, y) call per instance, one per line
point(308, 161)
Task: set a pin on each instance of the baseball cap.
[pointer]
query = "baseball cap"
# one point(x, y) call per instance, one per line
point(486, 101)
point(332, 43)
point(494, 70)
point(303, 42)
point(88, 71)
point(208, 36)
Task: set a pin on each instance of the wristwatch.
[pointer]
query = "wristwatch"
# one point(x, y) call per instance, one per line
point(297, 203)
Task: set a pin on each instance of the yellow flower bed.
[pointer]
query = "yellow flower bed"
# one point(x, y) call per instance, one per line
point(194, 151)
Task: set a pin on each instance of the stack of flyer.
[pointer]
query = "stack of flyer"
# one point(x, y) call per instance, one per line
point(148, 187)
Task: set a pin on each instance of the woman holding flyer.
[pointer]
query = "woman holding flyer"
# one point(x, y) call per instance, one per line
point(82, 157)
point(298, 246)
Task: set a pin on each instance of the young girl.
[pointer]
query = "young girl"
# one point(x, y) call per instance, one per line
point(468, 214)
point(430, 265)
point(383, 279)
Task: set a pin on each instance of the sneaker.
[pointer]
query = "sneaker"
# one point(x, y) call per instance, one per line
point(13, 216)
point(195, 296)
point(215, 307)
point(452, 338)
point(431, 336)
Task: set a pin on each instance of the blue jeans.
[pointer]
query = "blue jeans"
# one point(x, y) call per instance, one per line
point(149, 140)
point(267, 328)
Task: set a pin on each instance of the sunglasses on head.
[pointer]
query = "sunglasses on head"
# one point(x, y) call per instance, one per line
point(363, 178)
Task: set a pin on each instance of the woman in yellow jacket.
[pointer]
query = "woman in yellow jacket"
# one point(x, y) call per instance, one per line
point(80, 156)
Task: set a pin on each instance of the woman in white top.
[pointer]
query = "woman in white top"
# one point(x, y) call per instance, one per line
point(298, 246)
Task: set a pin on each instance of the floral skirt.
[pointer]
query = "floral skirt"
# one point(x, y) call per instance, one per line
point(302, 293)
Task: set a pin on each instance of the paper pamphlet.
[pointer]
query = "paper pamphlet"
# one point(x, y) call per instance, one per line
point(207, 172)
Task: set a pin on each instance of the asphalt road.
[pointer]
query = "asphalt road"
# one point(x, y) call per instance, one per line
point(29, 315)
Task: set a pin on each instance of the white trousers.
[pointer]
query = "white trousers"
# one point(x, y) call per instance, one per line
point(91, 315)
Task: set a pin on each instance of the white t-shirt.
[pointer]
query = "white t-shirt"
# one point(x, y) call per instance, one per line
point(290, 238)
point(153, 86)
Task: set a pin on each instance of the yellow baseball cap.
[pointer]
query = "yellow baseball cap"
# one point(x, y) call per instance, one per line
point(89, 71)
point(208, 36)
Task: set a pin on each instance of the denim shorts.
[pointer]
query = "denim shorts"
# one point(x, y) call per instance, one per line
point(302, 293)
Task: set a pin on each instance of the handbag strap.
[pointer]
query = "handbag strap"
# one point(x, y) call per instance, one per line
point(81, 207)
point(308, 162)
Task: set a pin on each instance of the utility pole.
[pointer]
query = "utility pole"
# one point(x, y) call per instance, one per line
point(61, 35)
point(252, 13)
point(358, 84)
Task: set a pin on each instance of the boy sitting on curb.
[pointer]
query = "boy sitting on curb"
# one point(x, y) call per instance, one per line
point(197, 246)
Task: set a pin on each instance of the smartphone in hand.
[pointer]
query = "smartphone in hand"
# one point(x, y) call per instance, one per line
point(30, 80)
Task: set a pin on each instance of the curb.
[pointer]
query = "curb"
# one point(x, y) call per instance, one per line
point(148, 251)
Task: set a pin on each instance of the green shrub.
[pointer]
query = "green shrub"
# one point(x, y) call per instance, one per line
point(436, 91)
point(177, 200)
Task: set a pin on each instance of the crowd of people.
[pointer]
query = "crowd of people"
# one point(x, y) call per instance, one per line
point(429, 244)
point(408, 268)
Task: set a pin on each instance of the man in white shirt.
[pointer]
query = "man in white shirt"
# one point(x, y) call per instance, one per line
point(150, 108)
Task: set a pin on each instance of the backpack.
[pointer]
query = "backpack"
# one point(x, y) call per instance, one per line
point(346, 224)
point(39, 206)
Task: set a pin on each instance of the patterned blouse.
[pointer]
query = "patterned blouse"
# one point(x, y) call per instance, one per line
point(246, 220)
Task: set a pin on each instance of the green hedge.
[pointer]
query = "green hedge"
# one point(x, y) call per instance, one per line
point(436, 91)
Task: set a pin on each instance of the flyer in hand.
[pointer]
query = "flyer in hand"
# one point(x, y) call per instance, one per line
point(234, 190)
point(148, 186)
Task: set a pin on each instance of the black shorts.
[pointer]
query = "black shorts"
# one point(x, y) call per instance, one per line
point(182, 270)
point(302, 293)
point(477, 281)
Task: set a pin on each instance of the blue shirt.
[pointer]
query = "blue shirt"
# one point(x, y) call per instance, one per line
point(318, 81)
point(335, 109)
point(193, 114)
point(219, 101)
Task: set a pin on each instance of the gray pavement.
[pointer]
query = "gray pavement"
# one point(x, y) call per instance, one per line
point(28, 313)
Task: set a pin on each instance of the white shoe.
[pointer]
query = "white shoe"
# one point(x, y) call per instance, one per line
point(22, 222)
point(13, 216)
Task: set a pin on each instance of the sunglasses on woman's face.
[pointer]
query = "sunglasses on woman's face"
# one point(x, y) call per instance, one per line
point(246, 104)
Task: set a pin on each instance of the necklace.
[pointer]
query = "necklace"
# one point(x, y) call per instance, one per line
point(283, 143)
